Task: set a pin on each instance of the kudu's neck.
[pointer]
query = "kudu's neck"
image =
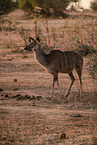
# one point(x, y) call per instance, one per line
point(40, 56)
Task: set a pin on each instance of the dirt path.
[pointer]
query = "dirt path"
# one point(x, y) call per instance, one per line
point(25, 123)
point(37, 119)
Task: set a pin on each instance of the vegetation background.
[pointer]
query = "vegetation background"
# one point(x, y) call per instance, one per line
point(27, 113)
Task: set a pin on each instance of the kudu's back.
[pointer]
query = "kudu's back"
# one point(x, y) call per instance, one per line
point(64, 62)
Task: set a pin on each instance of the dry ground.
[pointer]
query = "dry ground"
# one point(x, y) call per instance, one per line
point(29, 116)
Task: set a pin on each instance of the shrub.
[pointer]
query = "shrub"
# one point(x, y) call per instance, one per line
point(93, 65)
point(26, 5)
point(94, 5)
point(45, 5)
point(7, 6)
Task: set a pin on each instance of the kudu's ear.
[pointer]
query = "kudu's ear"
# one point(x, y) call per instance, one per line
point(38, 39)
point(30, 38)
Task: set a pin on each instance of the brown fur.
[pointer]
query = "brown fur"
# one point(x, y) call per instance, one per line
point(57, 61)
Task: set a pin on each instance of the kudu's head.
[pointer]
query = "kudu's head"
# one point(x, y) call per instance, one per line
point(34, 44)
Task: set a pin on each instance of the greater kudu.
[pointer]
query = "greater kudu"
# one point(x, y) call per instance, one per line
point(57, 61)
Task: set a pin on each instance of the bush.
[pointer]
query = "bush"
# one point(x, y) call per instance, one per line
point(94, 5)
point(6, 6)
point(93, 65)
point(45, 5)
point(26, 5)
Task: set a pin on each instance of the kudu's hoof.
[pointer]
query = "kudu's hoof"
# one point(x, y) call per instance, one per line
point(81, 97)
point(66, 95)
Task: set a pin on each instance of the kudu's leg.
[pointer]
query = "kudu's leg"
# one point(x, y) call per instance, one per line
point(55, 79)
point(79, 72)
point(72, 81)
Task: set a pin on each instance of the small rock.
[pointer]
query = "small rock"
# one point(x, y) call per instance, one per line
point(76, 115)
point(62, 135)
point(25, 56)
point(26, 97)
point(11, 59)
point(6, 95)
point(16, 96)
point(38, 97)
point(15, 80)
point(1, 90)
point(19, 98)
point(33, 97)
point(49, 98)
point(34, 104)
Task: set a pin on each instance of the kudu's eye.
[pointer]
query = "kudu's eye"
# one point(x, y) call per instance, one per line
point(31, 44)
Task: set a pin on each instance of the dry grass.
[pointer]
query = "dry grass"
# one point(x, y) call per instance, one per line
point(27, 114)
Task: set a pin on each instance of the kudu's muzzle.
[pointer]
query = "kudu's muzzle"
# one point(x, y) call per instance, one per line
point(29, 47)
